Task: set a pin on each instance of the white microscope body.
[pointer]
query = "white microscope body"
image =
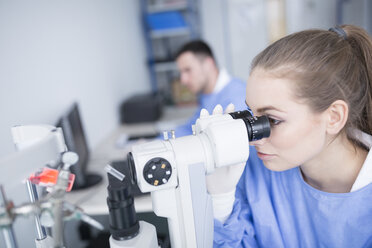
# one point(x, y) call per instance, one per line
point(174, 170)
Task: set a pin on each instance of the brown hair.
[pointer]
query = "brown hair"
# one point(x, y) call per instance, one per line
point(327, 66)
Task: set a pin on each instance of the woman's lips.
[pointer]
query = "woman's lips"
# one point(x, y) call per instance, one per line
point(265, 156)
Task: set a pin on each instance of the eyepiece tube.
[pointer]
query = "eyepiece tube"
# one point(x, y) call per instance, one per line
point(257, 127)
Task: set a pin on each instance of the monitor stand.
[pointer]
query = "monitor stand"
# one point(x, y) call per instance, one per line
point(90, 179)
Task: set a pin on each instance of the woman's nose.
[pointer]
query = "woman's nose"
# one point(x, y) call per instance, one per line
point(258, 142)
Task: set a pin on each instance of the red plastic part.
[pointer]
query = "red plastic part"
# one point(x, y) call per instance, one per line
point(48, 177)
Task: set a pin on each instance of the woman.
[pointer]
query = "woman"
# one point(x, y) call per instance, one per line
point(309, 183)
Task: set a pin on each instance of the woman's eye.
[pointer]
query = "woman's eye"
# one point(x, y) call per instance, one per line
point(274, 122)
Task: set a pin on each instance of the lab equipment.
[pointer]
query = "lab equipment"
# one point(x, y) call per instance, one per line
point(123, 167)
point(125, 229)
point(41, 145)
point(75, 140)
point(48, 177)
point(141, 108)
point(114, 172)
point(174, 170)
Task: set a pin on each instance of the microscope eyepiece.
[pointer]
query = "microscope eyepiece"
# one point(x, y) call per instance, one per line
point(257, 127)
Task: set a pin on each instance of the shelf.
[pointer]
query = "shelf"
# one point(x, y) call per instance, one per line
point(156, 8)
point(163, 33)
point(165, 66)
point(167, 24)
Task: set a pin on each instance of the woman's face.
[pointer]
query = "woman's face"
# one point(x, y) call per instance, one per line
point(297, 134)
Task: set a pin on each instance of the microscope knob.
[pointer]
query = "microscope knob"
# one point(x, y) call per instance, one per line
point(157, 171)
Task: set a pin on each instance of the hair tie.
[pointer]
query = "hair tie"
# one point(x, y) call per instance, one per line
point(338, 30)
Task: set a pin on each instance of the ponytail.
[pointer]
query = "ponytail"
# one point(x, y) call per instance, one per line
point(361, 43)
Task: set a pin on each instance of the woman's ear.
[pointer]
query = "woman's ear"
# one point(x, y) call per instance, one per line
point(337, 115)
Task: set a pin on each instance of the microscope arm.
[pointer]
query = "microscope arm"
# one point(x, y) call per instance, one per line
point(181, 195)
point(174, 170)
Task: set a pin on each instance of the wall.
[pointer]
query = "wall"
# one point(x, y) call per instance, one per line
point(358, 12)
point(57, 52)
point(237, 29)
point(310, 14)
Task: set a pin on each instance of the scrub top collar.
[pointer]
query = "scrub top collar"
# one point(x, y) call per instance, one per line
point(223, 79)
point(365, 174)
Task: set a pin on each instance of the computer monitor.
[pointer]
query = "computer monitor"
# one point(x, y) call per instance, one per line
point(75, 140)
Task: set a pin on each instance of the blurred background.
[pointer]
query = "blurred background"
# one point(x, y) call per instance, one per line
point(100, 53)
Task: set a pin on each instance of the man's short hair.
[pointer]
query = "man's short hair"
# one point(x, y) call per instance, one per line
point(197, 47)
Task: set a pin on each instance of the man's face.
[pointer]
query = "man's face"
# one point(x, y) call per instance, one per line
point(193, 72)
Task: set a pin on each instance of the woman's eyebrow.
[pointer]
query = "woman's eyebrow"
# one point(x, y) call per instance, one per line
point(263, 109)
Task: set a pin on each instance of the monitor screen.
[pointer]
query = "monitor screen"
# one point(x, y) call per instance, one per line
point(75, 140)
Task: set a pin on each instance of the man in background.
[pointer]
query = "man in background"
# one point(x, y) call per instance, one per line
point(200, 74)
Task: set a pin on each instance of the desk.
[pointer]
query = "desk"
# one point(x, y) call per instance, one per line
point(93, 199)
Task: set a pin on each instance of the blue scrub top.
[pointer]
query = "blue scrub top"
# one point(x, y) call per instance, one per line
point(233, 92)
point(279, 209)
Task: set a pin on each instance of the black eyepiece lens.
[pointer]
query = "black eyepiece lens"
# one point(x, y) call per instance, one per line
point(260, 127)
point(257, 127)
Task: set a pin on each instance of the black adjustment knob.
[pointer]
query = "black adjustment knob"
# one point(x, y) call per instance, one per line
point(157, 171)
point(258, 127)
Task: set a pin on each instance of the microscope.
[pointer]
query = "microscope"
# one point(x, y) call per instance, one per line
point(174, 171)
